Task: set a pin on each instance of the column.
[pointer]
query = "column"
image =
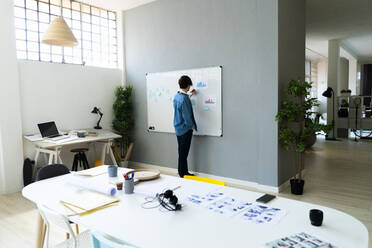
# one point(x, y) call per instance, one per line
point(353, 75)
point(11, 150)
point(333, 79)
point(343, 72)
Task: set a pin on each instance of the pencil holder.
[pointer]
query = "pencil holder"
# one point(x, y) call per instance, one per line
point(112, 170)
point(128, 186)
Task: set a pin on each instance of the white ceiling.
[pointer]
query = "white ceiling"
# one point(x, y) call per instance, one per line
point(313, 55)
point(117, 4)
point(347, 20)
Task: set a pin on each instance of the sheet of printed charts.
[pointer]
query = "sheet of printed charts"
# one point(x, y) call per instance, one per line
point(219, 203)
point(300, 240)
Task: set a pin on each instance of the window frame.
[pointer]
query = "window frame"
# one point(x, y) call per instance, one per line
point(106, 48)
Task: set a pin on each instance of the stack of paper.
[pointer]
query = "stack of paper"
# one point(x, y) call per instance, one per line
point(61, 141)
point(84, 202)
point(92, 172)
point(102, 169)
point(34, 138)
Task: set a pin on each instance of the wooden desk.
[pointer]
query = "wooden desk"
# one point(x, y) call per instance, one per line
point(54, 149)
point(195, 226)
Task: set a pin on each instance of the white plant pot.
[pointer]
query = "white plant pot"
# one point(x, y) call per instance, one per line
point(124, 164)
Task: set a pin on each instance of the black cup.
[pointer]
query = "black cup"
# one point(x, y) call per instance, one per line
point(316, 217)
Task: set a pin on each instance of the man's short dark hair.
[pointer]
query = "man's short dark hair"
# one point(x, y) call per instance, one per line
point(184, 82)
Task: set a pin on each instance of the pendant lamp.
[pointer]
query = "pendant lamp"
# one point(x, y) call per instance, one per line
point(59, 34)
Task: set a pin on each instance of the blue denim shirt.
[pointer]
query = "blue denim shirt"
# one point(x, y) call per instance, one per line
point(183, 114)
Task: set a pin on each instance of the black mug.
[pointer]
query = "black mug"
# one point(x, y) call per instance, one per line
point(316, 217)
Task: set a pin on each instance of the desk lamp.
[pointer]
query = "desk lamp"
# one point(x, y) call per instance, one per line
point(98, 112)
point(330, 93)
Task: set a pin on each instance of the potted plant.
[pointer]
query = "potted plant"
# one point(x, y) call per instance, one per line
point(312, 123)
point(297, 124)
point(123, 121)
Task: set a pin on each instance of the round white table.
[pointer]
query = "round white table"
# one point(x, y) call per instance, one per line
point(195, 226)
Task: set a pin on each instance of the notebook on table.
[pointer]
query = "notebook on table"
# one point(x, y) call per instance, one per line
point(85, 201)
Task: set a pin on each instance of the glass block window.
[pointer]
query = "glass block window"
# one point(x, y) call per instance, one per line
point(94, 28)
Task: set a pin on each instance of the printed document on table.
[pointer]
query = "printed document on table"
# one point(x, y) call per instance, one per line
point(300, 240)
point(228, 206)
point(262, 214)
point(202, 199)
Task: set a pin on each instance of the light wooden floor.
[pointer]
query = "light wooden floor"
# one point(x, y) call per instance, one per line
point(18, 223)
point(339, 175)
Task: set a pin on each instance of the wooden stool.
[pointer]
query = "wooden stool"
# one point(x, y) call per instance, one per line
point(80, 159)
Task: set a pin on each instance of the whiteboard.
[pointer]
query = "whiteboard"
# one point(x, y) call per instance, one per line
point(207, 104)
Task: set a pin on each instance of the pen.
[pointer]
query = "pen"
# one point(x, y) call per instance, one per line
point(132, 174)
point(125, 176)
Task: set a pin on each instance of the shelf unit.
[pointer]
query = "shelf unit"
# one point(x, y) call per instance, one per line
point(363, 117)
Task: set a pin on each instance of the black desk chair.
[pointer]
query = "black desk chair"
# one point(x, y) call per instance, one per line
point(52, 170)
point(49, 171)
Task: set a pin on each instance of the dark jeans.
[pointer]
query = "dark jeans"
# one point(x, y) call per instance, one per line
point(184, 142)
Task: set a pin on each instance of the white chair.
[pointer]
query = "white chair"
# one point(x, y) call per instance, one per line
point(49, 216)
point(100, 240)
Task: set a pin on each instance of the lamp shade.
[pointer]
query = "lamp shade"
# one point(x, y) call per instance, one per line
point(59, 34)
point(328, 92)
point(95, 110)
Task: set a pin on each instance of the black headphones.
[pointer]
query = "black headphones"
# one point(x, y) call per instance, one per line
point(169, 201)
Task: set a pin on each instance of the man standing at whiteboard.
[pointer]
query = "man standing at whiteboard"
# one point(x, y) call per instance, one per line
point(184, 123)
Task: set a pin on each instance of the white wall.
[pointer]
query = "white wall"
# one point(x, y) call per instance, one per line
point(322, 85)
point(10, 117)
point(346, 53)
point(353, 78)
point(333, 78)
point(33, 92)
point(65, 94)
point(343, 78)
point(359, 75)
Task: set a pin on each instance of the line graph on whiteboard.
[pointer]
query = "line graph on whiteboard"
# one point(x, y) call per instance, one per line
point(160, 92)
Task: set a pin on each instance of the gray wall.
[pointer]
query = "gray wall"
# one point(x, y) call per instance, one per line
point(240, 35)
point(291, 63)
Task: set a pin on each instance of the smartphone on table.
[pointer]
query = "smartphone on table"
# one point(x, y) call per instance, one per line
point(265, 198)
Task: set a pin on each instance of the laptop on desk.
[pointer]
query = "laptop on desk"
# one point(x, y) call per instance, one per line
point(49, 130)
